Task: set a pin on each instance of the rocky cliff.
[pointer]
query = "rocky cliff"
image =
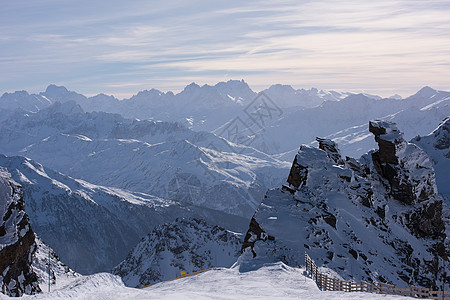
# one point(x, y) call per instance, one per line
point(377, 218)
point(17, 241)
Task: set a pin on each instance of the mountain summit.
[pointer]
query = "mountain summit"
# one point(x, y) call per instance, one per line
point(378, 218)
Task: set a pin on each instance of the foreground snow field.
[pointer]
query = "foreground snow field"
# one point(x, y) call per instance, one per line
point(275, 281)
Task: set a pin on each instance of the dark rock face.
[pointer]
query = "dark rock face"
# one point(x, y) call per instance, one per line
point(377, 218)
point(17, 241)
point(425, 219)
point(331, 149)
point(298, 175)
point(254, 233)
point(386, 162)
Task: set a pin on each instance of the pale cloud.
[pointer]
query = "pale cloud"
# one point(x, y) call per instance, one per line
point(111, 46)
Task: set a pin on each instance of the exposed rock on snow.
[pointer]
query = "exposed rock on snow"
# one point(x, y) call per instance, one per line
point(411, 178)
point(331, 149)
point(377, 219)
point(17, 241)
point(24, 258)
point(185, 245)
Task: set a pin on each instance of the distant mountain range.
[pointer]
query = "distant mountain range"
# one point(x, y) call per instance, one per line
point(198, 107)
point(277, 123)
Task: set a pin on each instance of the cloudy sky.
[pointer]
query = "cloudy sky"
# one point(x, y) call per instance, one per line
point(122, 47)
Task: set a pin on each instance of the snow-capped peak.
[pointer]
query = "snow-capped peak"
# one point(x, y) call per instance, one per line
point(426, 91)
point(54, 90)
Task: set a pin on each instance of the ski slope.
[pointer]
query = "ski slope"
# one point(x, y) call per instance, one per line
point(274, 281)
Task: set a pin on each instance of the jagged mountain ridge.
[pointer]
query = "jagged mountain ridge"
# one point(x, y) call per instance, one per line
point(211, 108)
point(94, 227)
point(377, 219)
point(200, 107)
point(22, 129)
point(187, 245)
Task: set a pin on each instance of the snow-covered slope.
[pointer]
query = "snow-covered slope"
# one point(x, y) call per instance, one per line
point(92, 227)
point(287, 97)
point(60, 273)
point(417, 114)
point(187, 245)
point(178, 170)
point(437, 146)
point(417, 120)
point(163, 159)
point(378, 218)
point(273, 281)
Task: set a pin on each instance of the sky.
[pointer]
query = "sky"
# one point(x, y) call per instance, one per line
point(114, 47)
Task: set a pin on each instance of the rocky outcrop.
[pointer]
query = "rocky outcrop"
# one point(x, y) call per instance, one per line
point(411, 178)
point(298, 175)
point(386, 162)
point(254, 233)
point(377, 218)
point(17, 241)
point(332, 150)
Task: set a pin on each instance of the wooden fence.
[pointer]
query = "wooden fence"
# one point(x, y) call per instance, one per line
point(326, 283)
